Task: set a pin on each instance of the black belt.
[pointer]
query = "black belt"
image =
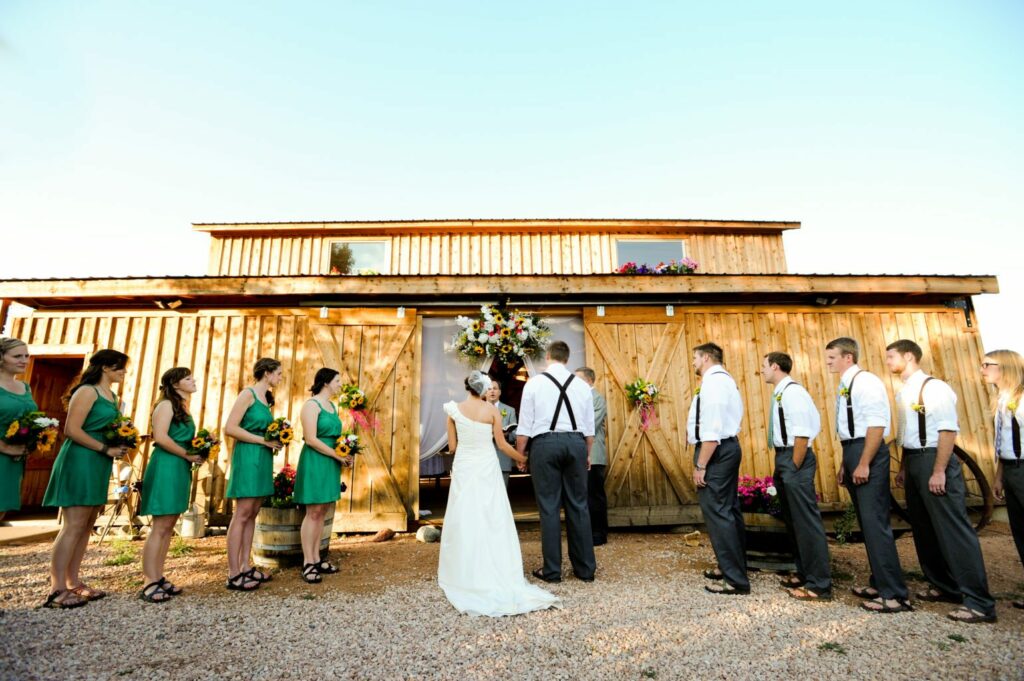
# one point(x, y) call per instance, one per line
point(1010, 462)
point(852, 440)
point(920, 450)
point(721, 442)
point(558, 432)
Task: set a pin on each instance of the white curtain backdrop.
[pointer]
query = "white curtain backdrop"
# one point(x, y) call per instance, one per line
point(443, 374)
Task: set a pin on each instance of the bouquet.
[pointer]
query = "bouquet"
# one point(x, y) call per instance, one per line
point(284, 486)
point(348, 444)
point(644, 395)
point(34, 430)
point(758, 495)
point(280, 430)
point(683, 266)
point(205, 445)
point(507, 336)
point(121, 432)
point(353, 399)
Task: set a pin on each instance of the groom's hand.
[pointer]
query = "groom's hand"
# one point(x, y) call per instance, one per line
point(521, 466)
point(698, 478)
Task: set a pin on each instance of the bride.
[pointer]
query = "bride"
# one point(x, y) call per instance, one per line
point(481, 566)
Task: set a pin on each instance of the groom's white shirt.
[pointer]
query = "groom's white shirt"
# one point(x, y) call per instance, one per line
point(540, 396)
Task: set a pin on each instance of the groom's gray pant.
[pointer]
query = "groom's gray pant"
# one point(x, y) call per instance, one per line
point(720, 505)
point(558, 466)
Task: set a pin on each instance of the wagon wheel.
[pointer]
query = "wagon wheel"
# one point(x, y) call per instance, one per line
point(978, 496)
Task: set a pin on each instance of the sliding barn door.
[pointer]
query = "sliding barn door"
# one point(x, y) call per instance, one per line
point(378, 351)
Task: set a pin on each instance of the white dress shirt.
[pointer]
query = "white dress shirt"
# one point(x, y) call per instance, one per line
point(870, 404)
point(940, 411)
point(540, 397)
point(802, 417)
point(1004, 427)
point(721, 408)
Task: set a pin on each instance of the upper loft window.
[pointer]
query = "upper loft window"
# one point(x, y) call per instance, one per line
point(359, 257)
point(648, 251)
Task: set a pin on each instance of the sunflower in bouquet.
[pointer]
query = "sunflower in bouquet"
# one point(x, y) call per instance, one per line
point(121, 432)
point(33, 429)
point(205, 445)
point(353, 398)
point(280, 430)
point(348, 444)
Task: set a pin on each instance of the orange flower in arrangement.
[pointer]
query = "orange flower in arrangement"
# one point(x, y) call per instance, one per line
point(46, 439)
point(205, 444)
point(33, 429)
point(287, 435)
point(121, 432)
point(12, 429)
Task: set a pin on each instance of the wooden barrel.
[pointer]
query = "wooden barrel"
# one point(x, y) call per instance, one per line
point(276, 542)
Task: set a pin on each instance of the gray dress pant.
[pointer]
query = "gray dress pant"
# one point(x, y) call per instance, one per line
point(1013, 484)
point(720, 504)
point(947, 545)
point(558, 467)
point(795, 487)
point(872, 502)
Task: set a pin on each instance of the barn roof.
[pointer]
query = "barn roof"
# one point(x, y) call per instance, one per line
point(518, 226)
point(194, 292)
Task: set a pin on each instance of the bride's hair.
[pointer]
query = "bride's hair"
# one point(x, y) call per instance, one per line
point(477, 383)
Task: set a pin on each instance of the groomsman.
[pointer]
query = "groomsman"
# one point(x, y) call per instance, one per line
point(947, 545)
point(793, 423)
point(596, 499)
point(508, 418)
point(712, 425)
point(862, 423)
point(556, 417)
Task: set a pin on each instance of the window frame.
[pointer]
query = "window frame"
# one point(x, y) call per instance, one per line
point(330, 241)
point(615, 260)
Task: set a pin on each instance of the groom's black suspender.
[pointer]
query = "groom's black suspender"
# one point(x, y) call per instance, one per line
point(563, 396)
point(782, 416)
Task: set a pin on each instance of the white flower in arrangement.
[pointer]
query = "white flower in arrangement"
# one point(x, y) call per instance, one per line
point(482, 338)
point(651, 389)
point(522, 335)
point(488, 326)
point(44, 422)
point(520, 352)
point(485, 310)
point(463, 321)
point(771, 490)
point(493, 340)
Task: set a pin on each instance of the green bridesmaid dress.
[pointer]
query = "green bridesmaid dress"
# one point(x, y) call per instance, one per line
point(252, 465)
point(168, 480)
point(80, 476)
point(318, 478)
point(12, 406)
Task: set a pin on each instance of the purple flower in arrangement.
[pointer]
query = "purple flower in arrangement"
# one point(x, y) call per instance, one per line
point(758, 495)
point(683, 266)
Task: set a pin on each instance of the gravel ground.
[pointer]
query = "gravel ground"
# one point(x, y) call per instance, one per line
point(383, 617)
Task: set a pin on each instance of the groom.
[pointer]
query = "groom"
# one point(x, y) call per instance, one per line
point(556, 416)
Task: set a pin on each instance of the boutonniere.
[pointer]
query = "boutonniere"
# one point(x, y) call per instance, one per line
point(778, 397)
point(1011, 407)
point(696, 392)
point(919, 408)
point(844, 391)
point(504, 413)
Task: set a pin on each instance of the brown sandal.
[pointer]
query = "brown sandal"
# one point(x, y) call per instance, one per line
point(968, 616)
point(935, 596)
point(792, 582)
point(88, 593)
point(868, 593)
point(884, 608)
point(804, 594)
point(63, 604)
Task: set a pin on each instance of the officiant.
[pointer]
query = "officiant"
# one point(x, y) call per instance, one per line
point(508, 423)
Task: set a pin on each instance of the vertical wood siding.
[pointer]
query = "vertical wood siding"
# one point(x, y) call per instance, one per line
point(492, 253)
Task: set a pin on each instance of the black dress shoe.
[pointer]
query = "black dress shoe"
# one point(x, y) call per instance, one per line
point(539, 574)
point(585, 579)
point(600, 541)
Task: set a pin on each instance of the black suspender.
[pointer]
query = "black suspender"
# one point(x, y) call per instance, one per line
point(696, 422)
point(849, 404)
point(563, 396)
point(1015, 434)
point(922, 434)
point(782, 415)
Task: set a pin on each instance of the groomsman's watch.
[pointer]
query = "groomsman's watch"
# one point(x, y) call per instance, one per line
point(700, 468)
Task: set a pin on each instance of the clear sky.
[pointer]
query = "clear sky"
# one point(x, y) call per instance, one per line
point(892, 130)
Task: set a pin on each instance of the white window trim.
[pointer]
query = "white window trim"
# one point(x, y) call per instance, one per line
point(325, 265)
point(615, 259)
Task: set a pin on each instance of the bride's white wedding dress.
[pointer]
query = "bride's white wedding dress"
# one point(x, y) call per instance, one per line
point(481, 565)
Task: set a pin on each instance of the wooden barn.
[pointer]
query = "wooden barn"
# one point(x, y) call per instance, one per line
point(377, 300)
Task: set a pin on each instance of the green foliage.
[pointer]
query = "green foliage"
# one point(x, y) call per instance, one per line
point(649, 673)
point(124, 553)
point(846, 524)
point(833, 647)
point(957, 637)
point(179, 547)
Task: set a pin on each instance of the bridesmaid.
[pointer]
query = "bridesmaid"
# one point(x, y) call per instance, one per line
point(168, 479)
point(1004, 369)
point(252, 470)
point(81, 474)
point(15, 400)
point(318, 478)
